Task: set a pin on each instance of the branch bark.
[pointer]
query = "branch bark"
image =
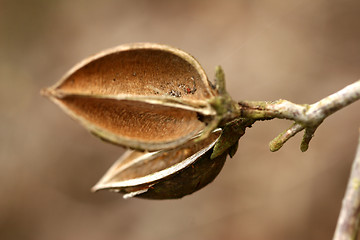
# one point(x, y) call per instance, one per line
point(305, 116)
point(348, 222)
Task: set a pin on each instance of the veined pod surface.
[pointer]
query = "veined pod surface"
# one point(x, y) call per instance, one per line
point(144, 96)
point(165, 174)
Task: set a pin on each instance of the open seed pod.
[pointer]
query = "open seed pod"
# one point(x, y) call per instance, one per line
point(165, 174)
point(144, 96)
point(157, 100)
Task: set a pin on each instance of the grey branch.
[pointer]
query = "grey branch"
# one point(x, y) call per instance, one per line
point(348, 221)
point(305, 116)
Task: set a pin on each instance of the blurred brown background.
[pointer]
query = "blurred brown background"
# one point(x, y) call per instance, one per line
point(297, 50)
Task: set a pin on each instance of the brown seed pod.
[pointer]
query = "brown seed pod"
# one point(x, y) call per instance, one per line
point(144, 96)
point(165, 174)
point(157, 100)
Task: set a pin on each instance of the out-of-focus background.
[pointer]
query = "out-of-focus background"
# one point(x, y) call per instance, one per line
point(296, 50)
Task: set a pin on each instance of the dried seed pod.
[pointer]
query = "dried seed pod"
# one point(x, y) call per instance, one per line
point(144, 96)
point(165, 174)
point(158, 100)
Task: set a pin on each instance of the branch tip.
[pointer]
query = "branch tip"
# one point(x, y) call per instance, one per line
point(305, 116)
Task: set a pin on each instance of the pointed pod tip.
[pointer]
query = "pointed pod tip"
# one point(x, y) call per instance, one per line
point(50, 92)
point(45, 92)
point(97, 187)
point(103, 185)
